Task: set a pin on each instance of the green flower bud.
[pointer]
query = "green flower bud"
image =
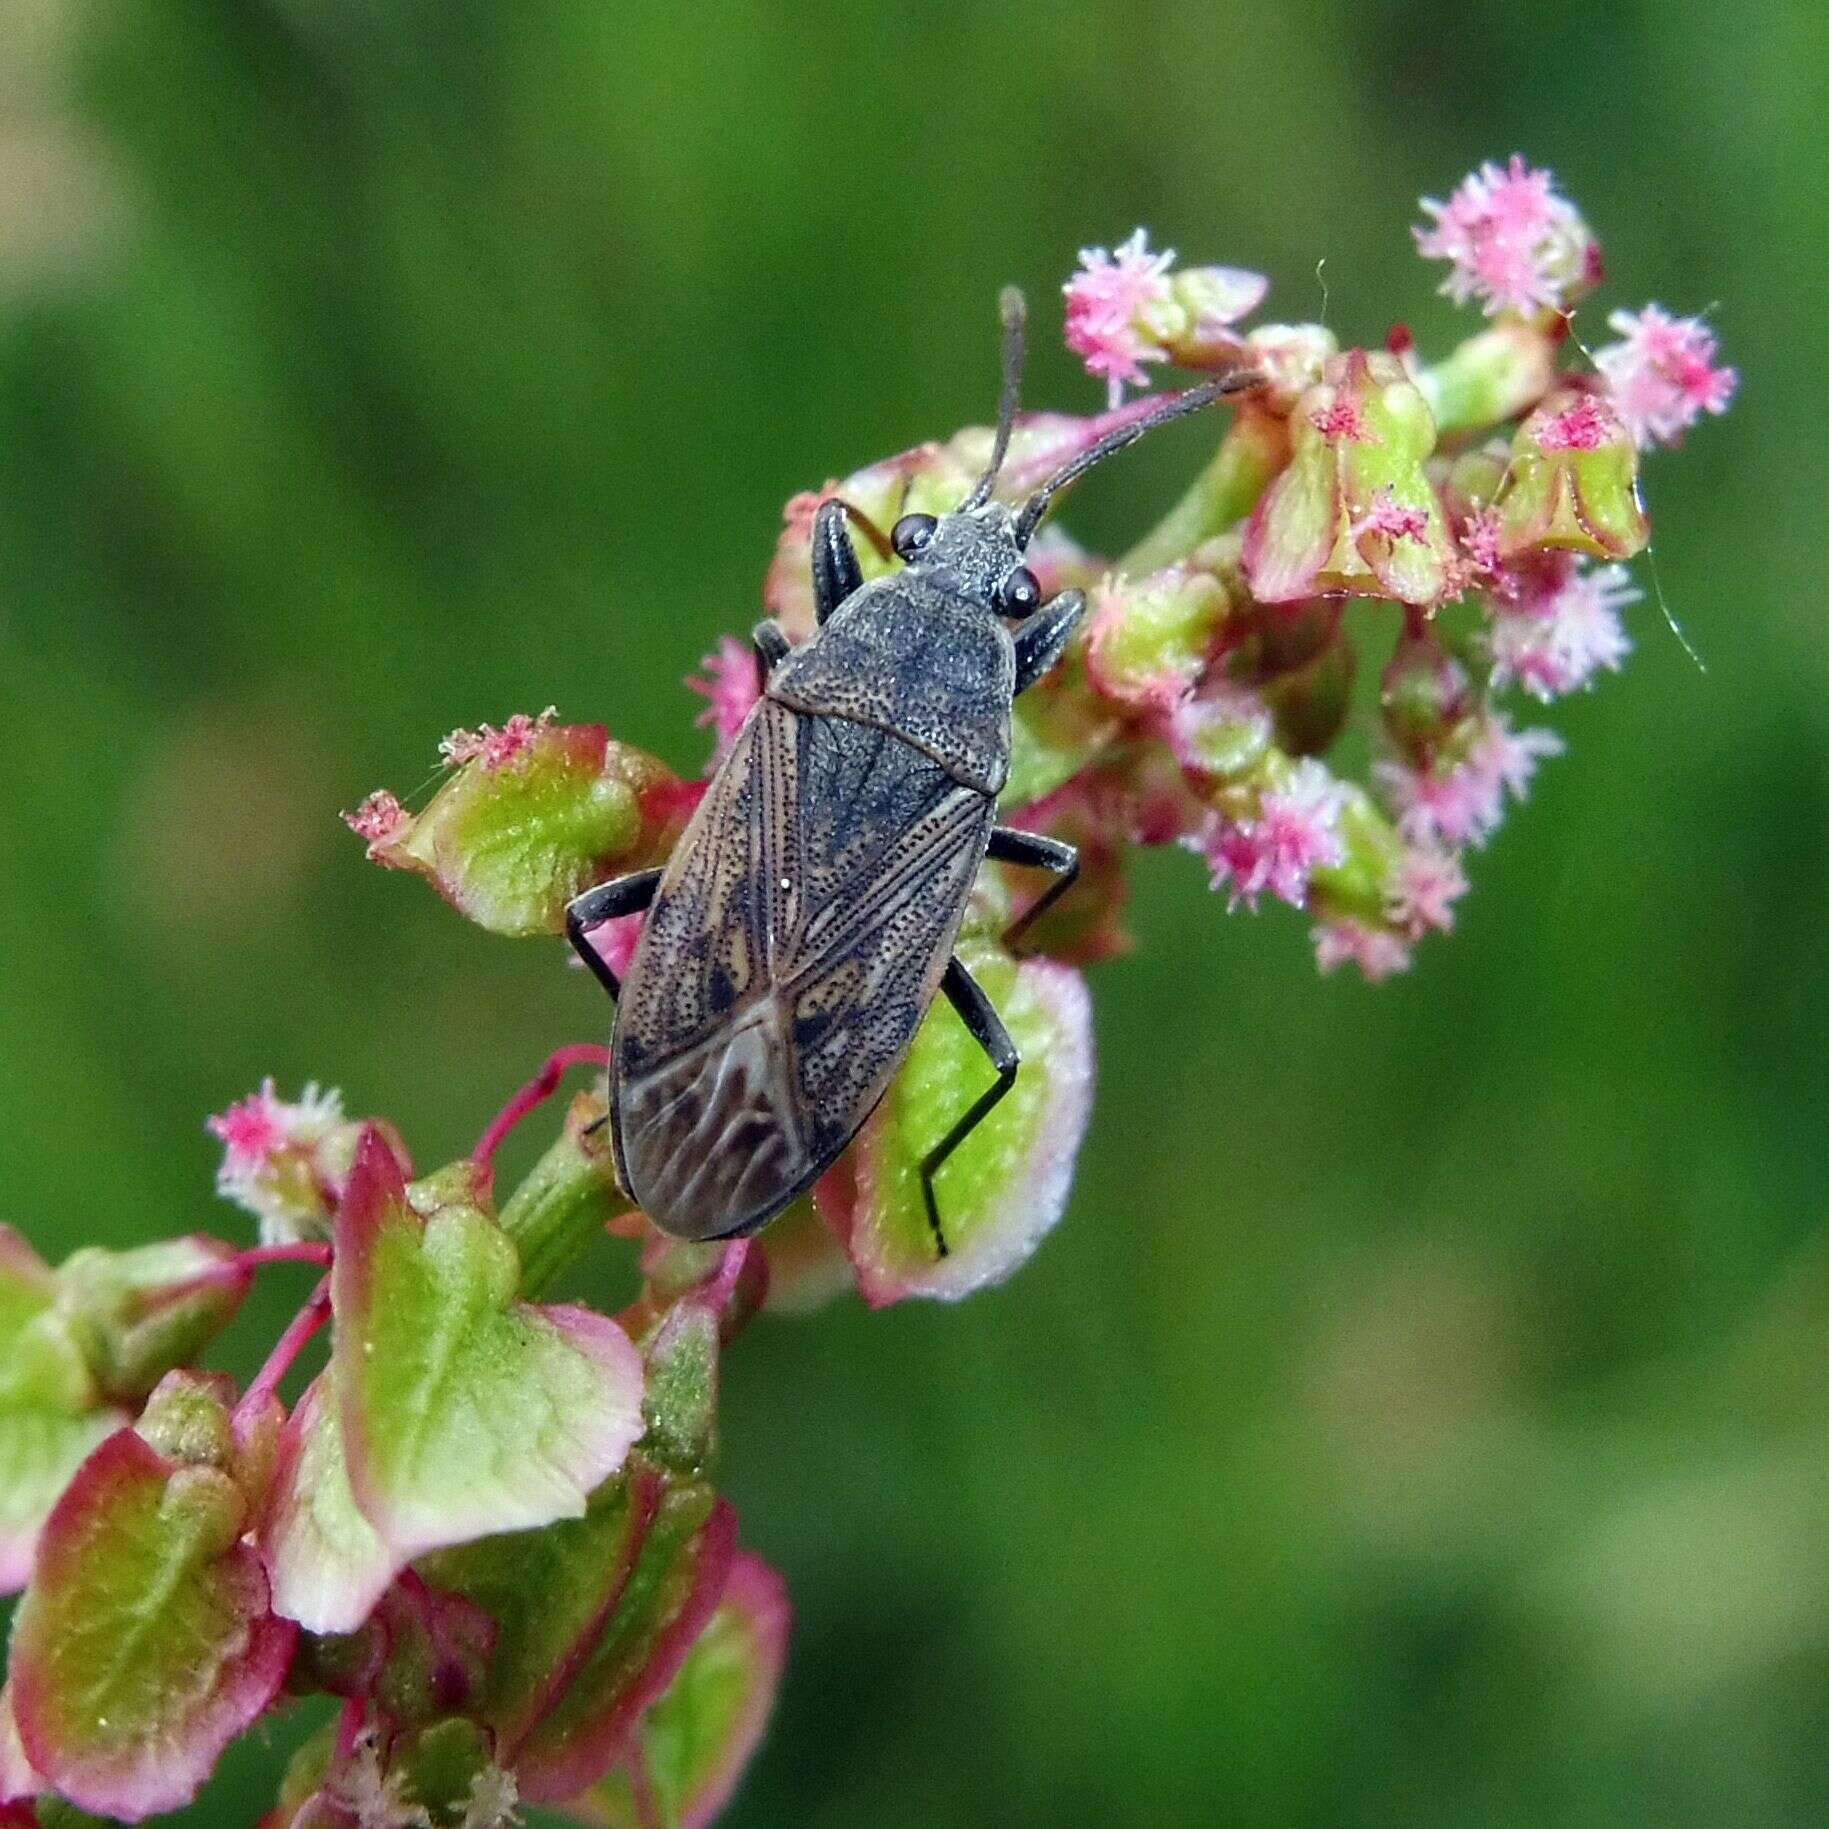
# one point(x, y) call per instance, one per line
point(533, 815)
point(1573, 484)
point(1424, 691)
point(139, 1313)
point(1310, 701)
point(187, 1419)
point(1492, 377)
point(1149, 639)
point(1355, 512)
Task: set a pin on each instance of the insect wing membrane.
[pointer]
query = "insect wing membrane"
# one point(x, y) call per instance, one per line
point(796, 940)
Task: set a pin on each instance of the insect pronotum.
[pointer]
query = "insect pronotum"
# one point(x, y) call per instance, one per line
point(806, 920)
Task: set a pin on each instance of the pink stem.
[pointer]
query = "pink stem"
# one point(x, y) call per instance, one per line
point(722, 1284)
point(535, 1094)
point(245, 1263)
point(257, 1255)
point(349, 1726)
point(298, 1335)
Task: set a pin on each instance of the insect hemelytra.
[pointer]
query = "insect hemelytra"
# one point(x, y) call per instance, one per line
point(807, 918)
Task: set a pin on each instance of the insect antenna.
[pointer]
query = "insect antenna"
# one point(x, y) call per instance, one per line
point(1182, 404)
point(1014, 312)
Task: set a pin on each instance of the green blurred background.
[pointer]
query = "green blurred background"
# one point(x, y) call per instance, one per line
point(1421, 1415)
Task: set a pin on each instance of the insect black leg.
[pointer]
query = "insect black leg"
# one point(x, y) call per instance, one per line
point(621, 895)
point(1042, 640)
point(771, 646)
point(836, 572)
point(966, 995)
point(1009, 846)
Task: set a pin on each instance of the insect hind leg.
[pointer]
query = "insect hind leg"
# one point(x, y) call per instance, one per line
point(621, 895)
point(985, 1026)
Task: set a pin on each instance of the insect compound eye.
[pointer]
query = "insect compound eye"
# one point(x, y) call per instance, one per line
point(911, 534)
point(1019, 593)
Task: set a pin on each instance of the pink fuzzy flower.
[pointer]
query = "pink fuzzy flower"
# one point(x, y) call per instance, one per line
point(1343, 423)
point(285, 1161)
point(378, 820)
point(1583, 425)
point(1378, 954)
point(1480, 542)
point(1295, 832)
point(1557, 628)
point(1427, 883)
point(1463, 804)
point(1510, 241)
point(493, 748)
point(1392, 518)
point(1110, 302)
point(253, 1129)
point(1662, 373)
point(730, 686)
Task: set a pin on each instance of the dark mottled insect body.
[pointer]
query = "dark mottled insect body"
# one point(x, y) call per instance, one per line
point(806, 920)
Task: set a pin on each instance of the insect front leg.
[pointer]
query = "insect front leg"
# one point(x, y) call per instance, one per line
point(1042, 640)
point(771, 647)
point(621, 895)
point(1010, 846)
point(967, 996)
point(836, 572)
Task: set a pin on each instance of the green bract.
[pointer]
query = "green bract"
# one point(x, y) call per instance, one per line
point(464, 1410)
point(695, 1741)
point(1355, 512)
point(675, 1581)
point(145, 1642)
point(328, 1564)
point(1007, 1184)
point(143, 1312)
point(450, 1409)
point(1573, 482)
point(511, 842)
point(52, 1411)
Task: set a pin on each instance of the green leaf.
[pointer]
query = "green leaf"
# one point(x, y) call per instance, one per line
point(464, 1410)
point(698, 1738)
point(509, 842)
point(51, 1409)
point(327, 1563)
point(677, 1580)
point(145, 1643)
point(144, 1312)
point(1007, 1184)
point(549, 1593)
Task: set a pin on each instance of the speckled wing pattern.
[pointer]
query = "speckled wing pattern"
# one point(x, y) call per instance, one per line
point(796, 940)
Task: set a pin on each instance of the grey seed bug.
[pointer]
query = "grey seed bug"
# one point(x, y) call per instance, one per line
point(806, 920)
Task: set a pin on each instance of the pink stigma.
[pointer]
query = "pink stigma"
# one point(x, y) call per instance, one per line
point(494, 748)
point(379, 820)
point(730, 687)
point(1344, 423)
point(1585, 425)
